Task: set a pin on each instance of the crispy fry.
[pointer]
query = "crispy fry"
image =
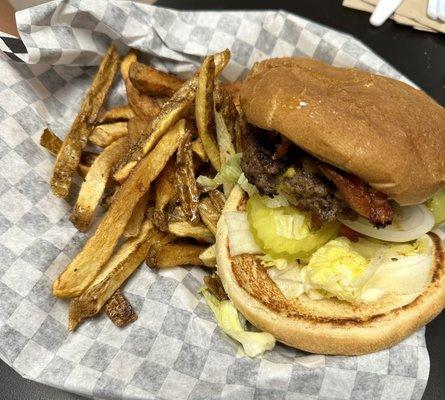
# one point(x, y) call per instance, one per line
point(187, 229)
point(215, 286)
point(134, 224)
point(198, 149)
point(119, 310)
point(169, 114)
point(217, 198)
point(208, 256)
point(115, 114)
point(75, 141)
point(53, 144)
point(163, 239)
point(115, 272)
point(209, 214)
point(137, 127)
point(175, 255)
point(86, 265)
point(205, 120)
point(226, 119)
point(142, 106)
point(185, 176)
point(154, 82)
point(105, 134)
point(165, 186)
point(93, 188)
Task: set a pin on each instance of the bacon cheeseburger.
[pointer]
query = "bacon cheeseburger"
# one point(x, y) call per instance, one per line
point(329, 246)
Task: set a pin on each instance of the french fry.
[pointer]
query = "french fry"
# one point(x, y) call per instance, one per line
point(115, 272)
point(119, 310)
point(116, 114)
point(205, 120)
point(134, 224)
point(137, 127)
point(175, 255)
point(154, 82)
point(93, 188)
point(171, 112)
point(157, 243)
point(53, 144)
point(75, 141)
point(214, 284)
point(209, 214)
point(208, 256)
point(83, 269)
point(198, 149)
point(187, 229)
point(217, 198)
point(185, 176)
point(226, 120)
point(105, 134)
point(165, 186)
point(142, 106)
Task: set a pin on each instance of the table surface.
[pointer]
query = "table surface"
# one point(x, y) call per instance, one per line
point(418, 55)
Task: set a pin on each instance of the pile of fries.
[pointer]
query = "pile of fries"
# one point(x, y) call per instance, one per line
point(140, 162)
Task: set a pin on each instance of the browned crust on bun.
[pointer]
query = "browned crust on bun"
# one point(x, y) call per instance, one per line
point(384, 131)
point(327, 326)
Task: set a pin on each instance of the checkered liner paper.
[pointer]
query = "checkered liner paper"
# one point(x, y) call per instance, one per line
point(174, 350)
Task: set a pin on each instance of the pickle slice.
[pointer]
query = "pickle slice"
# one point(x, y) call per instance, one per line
point(265, 224)
point(437, 206)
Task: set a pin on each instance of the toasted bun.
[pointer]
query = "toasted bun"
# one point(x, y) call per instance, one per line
point(386, 132)
point(323, 326)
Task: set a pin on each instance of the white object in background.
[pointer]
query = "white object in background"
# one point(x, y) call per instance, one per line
point(436, 9)
point(383, 10)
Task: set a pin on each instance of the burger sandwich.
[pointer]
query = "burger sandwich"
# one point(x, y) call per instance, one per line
point(329, 241)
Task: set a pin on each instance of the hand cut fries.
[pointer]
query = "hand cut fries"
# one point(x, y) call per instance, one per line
point(204, 111)
point(209, 214)
point(120, 310)
point(134, 224)
point(169, 114)
point(93, 188)
point(142, 106)
point(175, 255)
point(53, 144)
point(104, 135)
point(166, 186)
point(188, 230)
point(119, 267)
point(208, 256)
point(190, 127)
point(214, 284)
point(185, 174)
point(149, 80)
point(116, 114)
point(68, 157)
point(226, 122)
point(198, 149)
point(87, 264)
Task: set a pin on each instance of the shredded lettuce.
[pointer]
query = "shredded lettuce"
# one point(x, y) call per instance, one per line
point(229, 173)
point(246, 186)
point(233, 324)
point(357, 272)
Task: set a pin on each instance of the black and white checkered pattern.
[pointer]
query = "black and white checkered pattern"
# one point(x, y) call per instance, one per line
point(174, 350)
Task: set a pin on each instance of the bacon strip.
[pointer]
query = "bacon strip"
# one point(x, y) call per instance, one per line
point(370, 204)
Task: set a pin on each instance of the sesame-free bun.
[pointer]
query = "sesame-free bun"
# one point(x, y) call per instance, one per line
point(384, 131)
point(327, 326)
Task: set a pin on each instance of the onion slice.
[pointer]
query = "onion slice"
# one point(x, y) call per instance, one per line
point(409, 223)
